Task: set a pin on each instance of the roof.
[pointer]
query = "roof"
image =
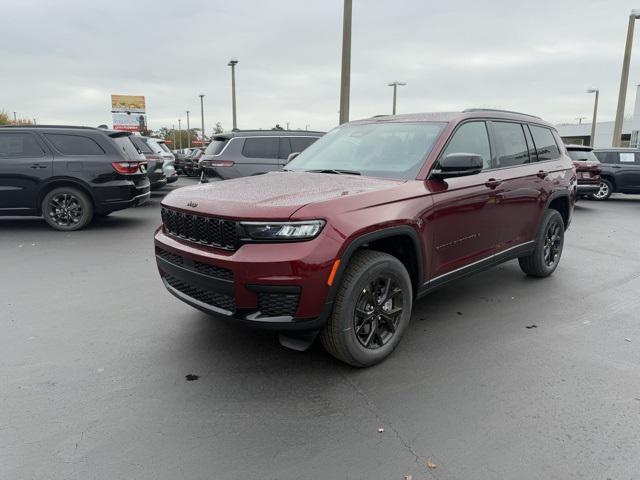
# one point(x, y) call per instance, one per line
point(111, 133)
point(580, 148)
point(268, 133)
point(458, 116)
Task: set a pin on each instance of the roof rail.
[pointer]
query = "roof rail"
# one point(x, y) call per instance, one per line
point(497, 110)
point(48, 126)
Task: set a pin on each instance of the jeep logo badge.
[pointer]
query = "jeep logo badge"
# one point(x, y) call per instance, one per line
point(192, 204)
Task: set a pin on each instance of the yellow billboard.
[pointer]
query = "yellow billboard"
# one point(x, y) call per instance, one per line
point(127, 103)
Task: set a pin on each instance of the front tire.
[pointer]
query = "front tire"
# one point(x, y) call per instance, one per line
point(371, 311)
point(67, 209)
point(605, 191)
point(549, 242)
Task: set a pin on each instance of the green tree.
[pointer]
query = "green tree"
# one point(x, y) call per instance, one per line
point(5, 119)
point(218, 128)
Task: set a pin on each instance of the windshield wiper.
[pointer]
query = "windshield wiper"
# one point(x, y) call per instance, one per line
point(335, 171)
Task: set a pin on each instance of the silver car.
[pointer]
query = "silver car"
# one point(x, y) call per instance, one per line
point(252, 152)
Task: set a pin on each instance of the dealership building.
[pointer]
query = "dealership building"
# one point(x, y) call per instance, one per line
point(580, 133)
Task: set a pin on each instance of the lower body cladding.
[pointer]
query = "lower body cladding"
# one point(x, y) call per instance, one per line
point(121, 194)
point(262, 285)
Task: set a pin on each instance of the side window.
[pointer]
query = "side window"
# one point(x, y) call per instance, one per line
point(510, 144)
point(266, 147)
point(74, 144)
point(285, 148)
point(533, 156)
point(607, 157)
point(19, 145)
point(298, 144)
point(471, 137)
point(545, 143)
point(627, 157)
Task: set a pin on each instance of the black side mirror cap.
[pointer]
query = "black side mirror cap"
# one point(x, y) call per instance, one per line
point(458, 165)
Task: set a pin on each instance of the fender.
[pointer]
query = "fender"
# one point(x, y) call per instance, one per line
point(553, 196)
point(366, 238)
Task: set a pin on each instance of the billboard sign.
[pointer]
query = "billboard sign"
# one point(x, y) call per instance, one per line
point(128, 104)
point(128, 122)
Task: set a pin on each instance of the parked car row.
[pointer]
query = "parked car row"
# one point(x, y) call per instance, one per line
point(604, 171)
point(69, 174)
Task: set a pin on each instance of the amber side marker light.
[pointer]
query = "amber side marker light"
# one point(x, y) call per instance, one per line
point(334, 270)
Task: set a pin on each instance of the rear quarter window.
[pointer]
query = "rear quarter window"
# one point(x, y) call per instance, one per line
point(545, 143)
point(74, 144)
point(266, 147)
point(607, 157)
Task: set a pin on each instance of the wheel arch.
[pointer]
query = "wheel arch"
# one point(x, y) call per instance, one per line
point(561, 202)
point(62, 182)
point(402, 242)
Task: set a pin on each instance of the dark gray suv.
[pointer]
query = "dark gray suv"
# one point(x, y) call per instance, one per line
point(251, 152)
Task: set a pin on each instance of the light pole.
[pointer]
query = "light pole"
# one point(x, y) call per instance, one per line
point(202, 115)
point(624, 79)
point(175, 137)
point(232, 63)
point(345, 76)
point(188, 131)
point(180, 132)
point(595, 115)
point(580, 120)
point(395, 84)
point(15, 118)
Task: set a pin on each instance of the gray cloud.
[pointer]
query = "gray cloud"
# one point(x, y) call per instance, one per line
point(61, 60)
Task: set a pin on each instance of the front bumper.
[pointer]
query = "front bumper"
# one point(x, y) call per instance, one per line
point(276, 286)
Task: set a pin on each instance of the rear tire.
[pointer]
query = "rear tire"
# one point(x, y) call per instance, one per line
point(371, 311)
point(606, 189)
point(549, 242)
point(67, 209)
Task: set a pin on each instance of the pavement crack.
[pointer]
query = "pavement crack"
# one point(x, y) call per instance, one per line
point(420, 461)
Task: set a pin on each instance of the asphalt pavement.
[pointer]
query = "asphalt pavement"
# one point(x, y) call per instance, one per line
point(499, 376)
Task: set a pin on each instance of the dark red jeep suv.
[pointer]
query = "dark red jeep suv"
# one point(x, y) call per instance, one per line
point(371, 217)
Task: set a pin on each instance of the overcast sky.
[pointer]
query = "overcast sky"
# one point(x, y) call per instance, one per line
point(62, 59)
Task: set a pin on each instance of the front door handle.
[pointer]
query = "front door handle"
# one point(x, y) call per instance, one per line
point(616, 166)
point(35, 165)
point(542, 174)
point(493, 183)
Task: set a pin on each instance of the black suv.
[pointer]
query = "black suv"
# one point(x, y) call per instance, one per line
point(620, 171)
point(69, 174)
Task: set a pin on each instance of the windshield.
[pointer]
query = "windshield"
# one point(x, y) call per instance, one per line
point(387, 150)
point(582, 156)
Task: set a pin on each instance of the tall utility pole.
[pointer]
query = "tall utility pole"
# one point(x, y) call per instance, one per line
point(175, 137)
point(624, 80)
point(595, 115)
point(580, 120)
point(188, 131)
point(232, 63)
point(202, 115)
point(180, 132)
point(345, 76)
point(395, 93)
point(15, 118)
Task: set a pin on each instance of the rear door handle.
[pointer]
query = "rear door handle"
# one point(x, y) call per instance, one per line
point(35, 165)
point(616, 166)
point(542, 174)
point(493, 183)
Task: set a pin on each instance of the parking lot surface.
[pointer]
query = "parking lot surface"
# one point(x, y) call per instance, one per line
point(498, 375)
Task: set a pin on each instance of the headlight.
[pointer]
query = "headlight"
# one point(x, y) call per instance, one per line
point(284, 231)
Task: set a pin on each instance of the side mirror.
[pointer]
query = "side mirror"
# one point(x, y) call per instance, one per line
point(458, 165)
point(292, 156)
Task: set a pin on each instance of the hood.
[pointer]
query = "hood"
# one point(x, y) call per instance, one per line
point(273, 196)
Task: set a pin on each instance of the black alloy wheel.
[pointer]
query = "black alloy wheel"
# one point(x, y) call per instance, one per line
point(378, 312)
